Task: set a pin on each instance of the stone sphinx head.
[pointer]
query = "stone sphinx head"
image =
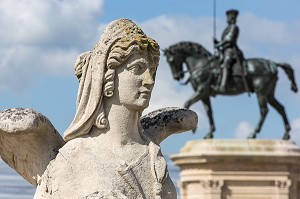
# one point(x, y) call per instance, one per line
point(124, 58)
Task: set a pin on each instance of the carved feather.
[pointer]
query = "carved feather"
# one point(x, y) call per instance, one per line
point(160, 124)
point(28, 142)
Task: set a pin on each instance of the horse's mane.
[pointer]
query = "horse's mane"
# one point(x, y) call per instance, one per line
point(187, 47)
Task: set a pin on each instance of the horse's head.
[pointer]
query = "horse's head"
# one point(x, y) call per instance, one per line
point(175, 61)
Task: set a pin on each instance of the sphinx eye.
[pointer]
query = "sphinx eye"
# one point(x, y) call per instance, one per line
point(137, 68)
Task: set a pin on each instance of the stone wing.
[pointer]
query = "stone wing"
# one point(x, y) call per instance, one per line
point(160, 124)
point(28, 142)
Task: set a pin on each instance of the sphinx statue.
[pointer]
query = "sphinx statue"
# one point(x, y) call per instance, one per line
point(109, 150)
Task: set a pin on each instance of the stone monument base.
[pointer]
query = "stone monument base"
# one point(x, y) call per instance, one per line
point(239, 169)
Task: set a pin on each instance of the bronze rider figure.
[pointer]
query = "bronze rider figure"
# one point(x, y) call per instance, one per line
point(229, 49)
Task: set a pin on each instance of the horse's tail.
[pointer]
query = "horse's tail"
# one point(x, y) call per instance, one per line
point(290, 73)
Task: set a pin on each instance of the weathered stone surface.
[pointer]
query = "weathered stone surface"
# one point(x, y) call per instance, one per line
point(159, 124)
point(28, 142)
point(111, 195)
point(85, 165)
point(239, 169)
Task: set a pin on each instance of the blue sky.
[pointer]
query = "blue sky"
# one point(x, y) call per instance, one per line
point(40, 40)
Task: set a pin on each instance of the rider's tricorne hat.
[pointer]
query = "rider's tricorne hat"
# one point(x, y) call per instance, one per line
point(232, 11)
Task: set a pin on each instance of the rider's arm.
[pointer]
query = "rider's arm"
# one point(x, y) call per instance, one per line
point(230, 37)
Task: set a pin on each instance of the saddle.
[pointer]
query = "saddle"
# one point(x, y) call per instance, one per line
point(238, 68)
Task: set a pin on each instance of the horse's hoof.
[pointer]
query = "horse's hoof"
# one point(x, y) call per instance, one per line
point(186, 105)
point(252, 136)
point(286, 136)
point(294, 88)
point(194, 130)
point(208, 136)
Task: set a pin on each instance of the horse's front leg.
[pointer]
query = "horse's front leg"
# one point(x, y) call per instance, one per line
point(195, 97)
point(208, 109)
point(203, 94)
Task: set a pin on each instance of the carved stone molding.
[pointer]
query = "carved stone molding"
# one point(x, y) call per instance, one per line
point(212, 184)
point(206, 184)
point(283, 184)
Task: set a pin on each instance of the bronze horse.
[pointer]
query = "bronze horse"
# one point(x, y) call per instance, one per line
point(204, 71)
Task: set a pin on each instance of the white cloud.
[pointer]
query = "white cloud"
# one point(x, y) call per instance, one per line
point(170, 29)
point(243, 130)
point(44, 37)
point(44, 22)
point(259, 29)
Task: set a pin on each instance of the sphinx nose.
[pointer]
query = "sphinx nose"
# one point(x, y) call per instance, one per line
point(148, 78)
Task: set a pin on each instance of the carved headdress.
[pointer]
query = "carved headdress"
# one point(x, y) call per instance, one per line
point(92, 70)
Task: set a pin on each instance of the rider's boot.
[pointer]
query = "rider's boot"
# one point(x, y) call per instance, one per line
point(224, 79)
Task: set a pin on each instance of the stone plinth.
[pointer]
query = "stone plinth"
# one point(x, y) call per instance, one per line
point(239, 169)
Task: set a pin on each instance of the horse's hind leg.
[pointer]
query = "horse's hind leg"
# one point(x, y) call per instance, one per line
point(280, 109)
point(262, 101)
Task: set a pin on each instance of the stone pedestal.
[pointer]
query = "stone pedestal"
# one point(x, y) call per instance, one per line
point(239, 169)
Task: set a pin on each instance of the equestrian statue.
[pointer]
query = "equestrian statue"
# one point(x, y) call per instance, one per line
point(228, 73)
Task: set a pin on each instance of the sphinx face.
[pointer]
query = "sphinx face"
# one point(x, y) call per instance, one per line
point(135, 80)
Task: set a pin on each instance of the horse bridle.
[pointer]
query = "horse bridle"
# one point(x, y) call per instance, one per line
point(188, 80)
